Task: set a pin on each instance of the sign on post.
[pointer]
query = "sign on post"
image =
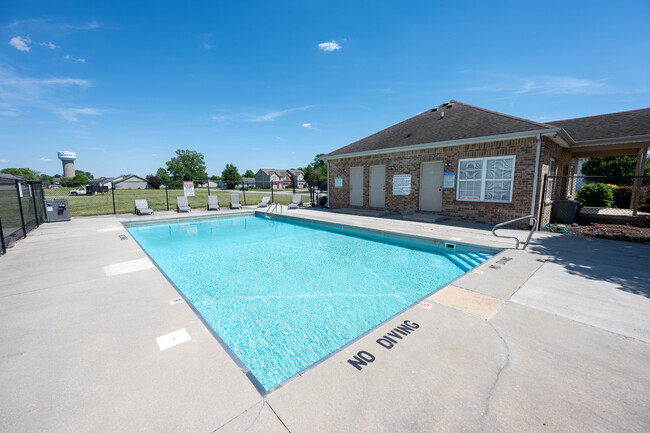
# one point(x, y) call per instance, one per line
point(188, 188)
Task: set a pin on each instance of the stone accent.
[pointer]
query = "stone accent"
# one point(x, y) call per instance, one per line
point(408, 162)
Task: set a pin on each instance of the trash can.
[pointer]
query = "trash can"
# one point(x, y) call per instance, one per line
point(57, 210)
point(564, 211)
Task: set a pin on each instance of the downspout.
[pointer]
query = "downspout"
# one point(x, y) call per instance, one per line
point(535, 177)
point(328, 183)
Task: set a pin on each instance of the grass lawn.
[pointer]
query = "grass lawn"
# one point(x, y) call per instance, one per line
point(125, 199)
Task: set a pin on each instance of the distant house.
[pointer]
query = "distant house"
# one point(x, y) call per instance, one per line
point(131, 182)
point(297, 177)
point(265, 176)
point(9, 177)
point(103, 181)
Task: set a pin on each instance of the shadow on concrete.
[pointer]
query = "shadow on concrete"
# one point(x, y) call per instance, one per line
point(624, 264)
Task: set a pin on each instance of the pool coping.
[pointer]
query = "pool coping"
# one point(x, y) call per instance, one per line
point(264, 393)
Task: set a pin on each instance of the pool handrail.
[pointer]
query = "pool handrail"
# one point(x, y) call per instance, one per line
point(530, 234)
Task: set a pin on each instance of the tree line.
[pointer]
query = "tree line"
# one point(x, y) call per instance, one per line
point(186, 165)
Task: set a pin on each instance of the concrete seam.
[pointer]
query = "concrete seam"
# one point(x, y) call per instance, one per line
point(278, 417)
point(242, 412)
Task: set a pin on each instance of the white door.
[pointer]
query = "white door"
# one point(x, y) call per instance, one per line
point(356, 186)
point(431, 174)
point(377, 193)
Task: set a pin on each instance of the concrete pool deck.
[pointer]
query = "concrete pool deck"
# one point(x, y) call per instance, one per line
point(566, 346)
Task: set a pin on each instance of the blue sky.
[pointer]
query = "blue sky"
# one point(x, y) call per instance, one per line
point(271, 84)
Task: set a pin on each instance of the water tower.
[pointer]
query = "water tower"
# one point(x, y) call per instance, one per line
point(67, 158)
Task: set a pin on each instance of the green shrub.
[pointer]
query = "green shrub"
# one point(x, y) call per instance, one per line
point(623, 197)
point(596, 195)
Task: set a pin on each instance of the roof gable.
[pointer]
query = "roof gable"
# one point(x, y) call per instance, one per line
point(459, 121)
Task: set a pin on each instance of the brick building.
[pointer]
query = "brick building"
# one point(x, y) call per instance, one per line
point(474, 164)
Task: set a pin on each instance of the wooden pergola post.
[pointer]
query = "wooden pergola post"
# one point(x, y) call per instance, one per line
point(638, 180)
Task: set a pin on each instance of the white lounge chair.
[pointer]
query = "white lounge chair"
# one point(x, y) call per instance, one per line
point(142, 208)
point(182, 205)
point(297, 201)
point(264, 202)
point(234, 201)
point(213, 202)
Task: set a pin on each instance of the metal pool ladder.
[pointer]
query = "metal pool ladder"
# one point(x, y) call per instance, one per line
point(272, 209)
point(530, 235)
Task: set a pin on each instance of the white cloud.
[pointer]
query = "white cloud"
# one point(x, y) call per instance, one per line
point(549, 85)
point(45, 159)
point(271, 116)
point(4, 160)
point(306, 125)
point(329, 46)
point(18, 93)
point(73, 114)
point(20, 43)
point(69, 57)
point(50, 45)
point(92, 25)
point(154, 155)
point(267, 117)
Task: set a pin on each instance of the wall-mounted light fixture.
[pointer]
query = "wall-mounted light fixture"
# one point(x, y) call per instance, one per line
point(391, 167)
point(448, 164)
point(344, 170)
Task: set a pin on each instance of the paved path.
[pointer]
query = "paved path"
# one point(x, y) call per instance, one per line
point(566, 346)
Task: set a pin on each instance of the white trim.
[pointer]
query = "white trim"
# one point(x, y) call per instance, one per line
point(483, 179)
point(327, 163)
point(535, 177)
point(461, 142)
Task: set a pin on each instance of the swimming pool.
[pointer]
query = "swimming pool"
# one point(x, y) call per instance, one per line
point(284, 294)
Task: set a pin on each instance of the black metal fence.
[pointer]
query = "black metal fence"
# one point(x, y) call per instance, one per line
point(21, 210)
point(587, 200)
point(98, 199)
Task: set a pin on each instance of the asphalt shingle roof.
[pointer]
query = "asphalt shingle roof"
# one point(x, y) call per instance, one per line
point(460, 121)
point(614, 125)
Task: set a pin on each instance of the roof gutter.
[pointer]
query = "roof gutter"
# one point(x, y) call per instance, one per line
point(616, 140)
point(546, 132)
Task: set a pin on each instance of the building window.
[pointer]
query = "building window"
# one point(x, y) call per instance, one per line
point(550, 179)
point(486, 179)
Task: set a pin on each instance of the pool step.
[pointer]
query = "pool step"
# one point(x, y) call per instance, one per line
point(468, 260)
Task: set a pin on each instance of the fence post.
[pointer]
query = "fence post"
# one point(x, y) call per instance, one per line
point(243, 188)
point(271, 191)
point(20, 206)
point(208, 186)
point(43, 203)
point(113, 193)
point(33, 191)
point(167, 195)
point(543, 199)
point(2, 239)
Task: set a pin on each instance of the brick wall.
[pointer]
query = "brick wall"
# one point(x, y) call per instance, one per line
point(409, 163)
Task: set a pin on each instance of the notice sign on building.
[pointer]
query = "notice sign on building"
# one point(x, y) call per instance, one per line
point(449, 180)
point(188, 188)
point(401, 184)
point(338, 182)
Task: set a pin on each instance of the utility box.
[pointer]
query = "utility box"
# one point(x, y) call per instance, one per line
point(564, 211)
point(57, 210)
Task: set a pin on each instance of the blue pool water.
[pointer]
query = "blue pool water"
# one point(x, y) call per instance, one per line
point(284, 295)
